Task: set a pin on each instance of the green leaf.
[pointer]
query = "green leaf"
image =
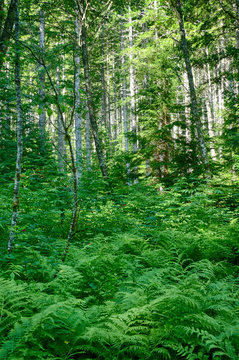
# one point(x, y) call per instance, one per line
point(39, 111)
point(49, 112)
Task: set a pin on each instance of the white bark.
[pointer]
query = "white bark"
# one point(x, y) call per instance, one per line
point(132, 82)
point(88, 139)
point(103, 89)
point(115, 124)
point(210, 111)
point(108, 101)
point(60, 132)
point(124, 97)
point(42, 115)
point(78, 115)
point(92, 116)
point(19, 136)
point(132, 91)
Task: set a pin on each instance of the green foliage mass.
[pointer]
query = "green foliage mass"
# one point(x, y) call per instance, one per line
point(150, 274)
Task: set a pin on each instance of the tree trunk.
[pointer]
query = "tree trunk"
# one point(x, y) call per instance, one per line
point(6, 32)
point(115, 124)
point(103, 89)
point(78, 112)
point(109, 127)
point(61, 149)
point(210, 111)
point(237, 24)
point(19, 136)
point(1, 16)
point(87, 139)
point(132, 92)
point(42, 113)
point(94, 126)
point(193, 97)
point(124, 97)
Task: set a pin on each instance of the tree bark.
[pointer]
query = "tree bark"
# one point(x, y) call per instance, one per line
point(210, 110)
point(115, 124)
point(124, 97)
point(109, 125)
point(132, 93)
point(103, 89)
point(237, 24)
point(87, 139)
point(19, 135)
point(93, 122)
point(42, 115)
point(72, 157)
point(78, 112)
point(1, 15)
point(61, 148)
point(6, 32)
point(193, 97)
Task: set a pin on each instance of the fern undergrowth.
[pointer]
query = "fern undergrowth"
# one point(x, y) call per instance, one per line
point(149, 275)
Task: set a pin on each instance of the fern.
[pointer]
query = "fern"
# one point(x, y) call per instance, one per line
point(14, 302)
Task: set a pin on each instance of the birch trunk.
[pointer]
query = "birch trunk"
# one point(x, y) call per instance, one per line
point(103, 89)
point(115, 124)
point(19, 135)
point(31, 107)
point(193, 97)
point(132, 90)
point(210, 111)
point(72, 157)
point(124, 98)
point(109, 127)
point(237, 37)
point(42, 114)
point(78, 115)
point(61, 150)
point(93, 122)
point(88, 139)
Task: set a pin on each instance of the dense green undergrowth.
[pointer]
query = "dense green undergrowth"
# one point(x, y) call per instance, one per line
point(150, 274)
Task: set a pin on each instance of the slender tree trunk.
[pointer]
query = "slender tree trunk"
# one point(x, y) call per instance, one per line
point(193, 97)
point(132, 92)
point(109, 127)
point(75, 186)
point(210, 111)
point(1, 16)
point(115, 124)
point(87, 139)
point(237, 38)
point(94, 126)
point(61, 149)
point(188, 133)
point(6, 32)
point(148, 169)
point(6, 106)
point(73, 166)
point(31, 109)
point(165, 141)
point(72, 157)
point(103, 89)
point(237, 24)
point(124, 97)
point(78, 112)
point(42, 114)
point(19, 136)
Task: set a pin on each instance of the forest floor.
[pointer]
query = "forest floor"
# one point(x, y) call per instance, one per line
point(150, 274)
